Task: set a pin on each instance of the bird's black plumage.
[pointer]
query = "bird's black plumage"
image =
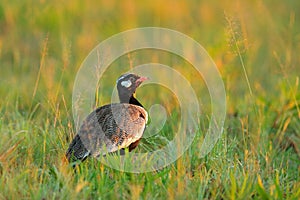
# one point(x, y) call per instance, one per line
point(111, 127)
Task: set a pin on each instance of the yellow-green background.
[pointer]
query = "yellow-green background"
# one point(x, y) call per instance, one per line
point(43, 43)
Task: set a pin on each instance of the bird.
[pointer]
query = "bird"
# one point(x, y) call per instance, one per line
point(112, 127)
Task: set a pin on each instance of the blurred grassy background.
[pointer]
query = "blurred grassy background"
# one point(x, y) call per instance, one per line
point(43, 43)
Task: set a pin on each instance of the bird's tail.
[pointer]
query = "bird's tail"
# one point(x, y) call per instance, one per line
point(77, 151)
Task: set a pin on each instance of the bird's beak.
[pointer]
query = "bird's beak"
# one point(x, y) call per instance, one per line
point(141, 79)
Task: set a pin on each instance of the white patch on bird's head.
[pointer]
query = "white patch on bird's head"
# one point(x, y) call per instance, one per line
point(126, 84)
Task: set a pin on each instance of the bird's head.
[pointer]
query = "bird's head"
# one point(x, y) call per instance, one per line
point(127, 84)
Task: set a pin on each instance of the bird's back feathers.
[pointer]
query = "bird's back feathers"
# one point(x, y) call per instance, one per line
point(107, 129)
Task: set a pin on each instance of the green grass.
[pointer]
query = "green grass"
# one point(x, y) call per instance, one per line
point(255, 45)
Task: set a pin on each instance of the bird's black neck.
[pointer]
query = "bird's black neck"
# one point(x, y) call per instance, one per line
point(134, 101)
point(130, 100)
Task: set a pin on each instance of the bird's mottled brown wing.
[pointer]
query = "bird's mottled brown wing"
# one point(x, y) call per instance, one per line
point(108, 129)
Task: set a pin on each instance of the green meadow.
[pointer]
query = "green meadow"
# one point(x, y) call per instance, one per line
point(255, 45)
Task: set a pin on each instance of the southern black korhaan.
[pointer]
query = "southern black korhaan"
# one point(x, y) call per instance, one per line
point(112, 127)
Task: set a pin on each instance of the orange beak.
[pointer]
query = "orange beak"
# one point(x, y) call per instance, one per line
point(140, 80)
